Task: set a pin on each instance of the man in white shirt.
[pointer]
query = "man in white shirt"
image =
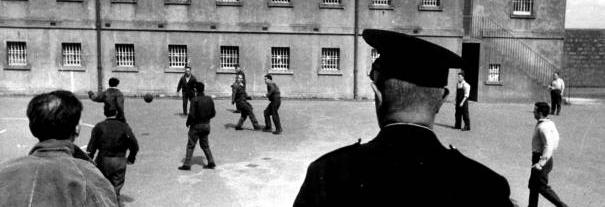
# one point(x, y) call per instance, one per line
point(545, 141)
point(557, 86)
point(463, 89)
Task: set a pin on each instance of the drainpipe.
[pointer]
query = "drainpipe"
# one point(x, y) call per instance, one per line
point(98, 31)
point(355, 56)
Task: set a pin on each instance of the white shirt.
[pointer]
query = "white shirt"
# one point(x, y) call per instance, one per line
point(557, 84)
point(546, 138)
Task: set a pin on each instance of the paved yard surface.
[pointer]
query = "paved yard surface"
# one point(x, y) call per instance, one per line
point(261, 169)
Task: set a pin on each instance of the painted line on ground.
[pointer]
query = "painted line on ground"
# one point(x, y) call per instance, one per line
point(2, 131)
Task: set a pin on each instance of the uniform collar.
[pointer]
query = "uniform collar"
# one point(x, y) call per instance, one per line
point(414, 138)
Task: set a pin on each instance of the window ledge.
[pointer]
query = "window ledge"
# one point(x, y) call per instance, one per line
point(225, 71)
point(492, 83)
point(430, 8)
point(72, 68)
point(330, 73)
point(125, 69)
point(284, 5)
point(177, 2)
point(281, 72)
point(222, 3)
point(18, 67)
point(174, 70)
point(124, 1)
point(331, 6)
point(522, 16)
point(380, 7)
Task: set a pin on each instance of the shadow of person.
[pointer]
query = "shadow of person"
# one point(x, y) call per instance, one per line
point(196, 160)
point(230, 125)
point(443, 125)
point(233, 111)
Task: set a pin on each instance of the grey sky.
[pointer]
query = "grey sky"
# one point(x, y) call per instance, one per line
point(585, 14)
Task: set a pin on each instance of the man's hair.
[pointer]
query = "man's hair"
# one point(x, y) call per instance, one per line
point(401, 95)
point(268, 76)
point(199, 87)
point(557, 73)
point(461, 73)
point(54, 115)
point(542, 108)
point(113, 82)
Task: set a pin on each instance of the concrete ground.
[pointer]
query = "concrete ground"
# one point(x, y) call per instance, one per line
point(261, 169)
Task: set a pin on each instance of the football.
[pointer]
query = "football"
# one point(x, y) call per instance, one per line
point(148, 97)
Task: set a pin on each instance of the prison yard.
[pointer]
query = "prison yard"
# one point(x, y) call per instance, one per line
point(256, 168)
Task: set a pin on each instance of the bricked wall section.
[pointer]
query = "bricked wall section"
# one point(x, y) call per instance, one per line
point(584, 58)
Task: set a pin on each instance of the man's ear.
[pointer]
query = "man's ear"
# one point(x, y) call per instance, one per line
point(378, 95)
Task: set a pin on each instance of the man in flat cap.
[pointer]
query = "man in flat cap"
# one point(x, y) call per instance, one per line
point(406, 164)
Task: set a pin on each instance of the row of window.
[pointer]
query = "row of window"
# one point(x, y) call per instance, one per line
point(71, 55)
point(177, 57)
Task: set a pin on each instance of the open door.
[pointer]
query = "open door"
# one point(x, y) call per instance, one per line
point(470, 66)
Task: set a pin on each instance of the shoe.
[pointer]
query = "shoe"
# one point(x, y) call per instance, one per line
point(267, 129)
point(184, 167)
point(277, 132)
point(210, 166)
point(239, 128)
point(257, 128)
point(466, 129)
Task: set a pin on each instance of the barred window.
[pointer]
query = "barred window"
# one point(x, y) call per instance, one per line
point(280, 1)
point(280, 58)
point(330, 59)
point(494, 73)
point(430, 3)
point(381, 2)
point(331, 1)
point(72, 54)
point(229, 57)
point(125, 55)
point(17, 53)
point(177, 56)
point(523, 7)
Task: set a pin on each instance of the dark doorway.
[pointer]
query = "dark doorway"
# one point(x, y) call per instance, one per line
point(470, 66)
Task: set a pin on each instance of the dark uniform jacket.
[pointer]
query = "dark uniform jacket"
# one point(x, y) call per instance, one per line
point(55, 174)
point(187, 86)
point(202, 110)
point(240, 98)
point(273, 93)
point(405, 165)
point(112, 138)
point(113, 99)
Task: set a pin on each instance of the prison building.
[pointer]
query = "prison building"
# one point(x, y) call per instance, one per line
point(313, 48)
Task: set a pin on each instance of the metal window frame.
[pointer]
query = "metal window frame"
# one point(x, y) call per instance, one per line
point(430, 5)
point(178, 56)
point(71, 54)
point(16, 54)
point(330, 59)
point(280, 58)
point(125, 55)
point(516, 4)
point(494, 70)
point(229, 57)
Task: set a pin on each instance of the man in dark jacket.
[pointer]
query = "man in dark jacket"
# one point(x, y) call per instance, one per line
point(112, 98)
point(56, 173)
point(187, 83)
point(112, 138)
point(406, 164)
point(274, 97)
point(198, 121)
point(242, 104)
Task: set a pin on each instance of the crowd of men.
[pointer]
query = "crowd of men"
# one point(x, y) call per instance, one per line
point(405, 164)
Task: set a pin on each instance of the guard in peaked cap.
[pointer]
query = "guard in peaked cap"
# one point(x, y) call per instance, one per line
point(405, 164)
point(411, 59)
